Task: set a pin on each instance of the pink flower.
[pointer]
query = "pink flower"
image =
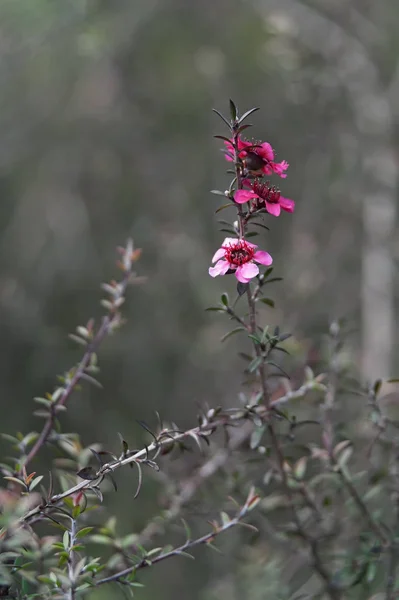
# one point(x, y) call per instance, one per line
point(239, 256)
point(257, 158)
point(265, 194)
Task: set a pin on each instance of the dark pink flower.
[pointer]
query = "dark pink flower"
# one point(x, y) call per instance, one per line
point(265, 194)
point(258, 158)
point(239, 256)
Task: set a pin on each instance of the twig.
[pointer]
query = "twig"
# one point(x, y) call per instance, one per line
point(188, 545)
point(374, 526)
point(166, 438)
point(107, 324)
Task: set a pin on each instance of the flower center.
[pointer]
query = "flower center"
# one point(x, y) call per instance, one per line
point(239, 253)
point(266, 192)
point(253, 161)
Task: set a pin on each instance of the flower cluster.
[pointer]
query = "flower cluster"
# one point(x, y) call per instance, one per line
point(252, 196)
point(258, 158)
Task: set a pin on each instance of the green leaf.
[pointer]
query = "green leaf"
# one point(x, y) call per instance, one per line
point(44, 401)
point(371, 572)
point(243, 127)
point(84, 531)
point(267, 301)
point(88, 473)
point(222, 137)
point(256, 437)
point(222, 117)
point(15, 480)
point(246, 114)
point(101, 539)
point(77, 339)
point(300, 467)
point(233, 110)
point(273, 364)
point(255, 364)
point(242, 288)
point(35, 482)
point(65, 540)
point(10, 438)
point(377, 386)
point(345, 456)
point(218, 193)
point(218, 210)
point(260, 225)
point(187, 529)
point(231, 333)
point(284, 336)
point(225, 518)
point(224, 299)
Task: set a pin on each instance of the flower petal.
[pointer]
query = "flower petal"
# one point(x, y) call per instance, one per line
point(246, 181)
point(218, 254)
point(246, 272)
point(287, 204)
point(279, 168)
point(265, 151)
point(241, 196)
point(263, 258)
point(273, 208)
point(220, 268)
point(229, 151)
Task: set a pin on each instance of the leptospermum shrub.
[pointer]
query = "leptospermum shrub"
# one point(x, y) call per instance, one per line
point(326, 498)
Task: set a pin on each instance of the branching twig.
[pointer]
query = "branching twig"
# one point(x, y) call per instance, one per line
point(188, 545)
point(208, 426)
point(107, 325)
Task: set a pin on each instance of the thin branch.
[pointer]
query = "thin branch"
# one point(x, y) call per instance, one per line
point(208, 426)
point(374, 526)
point(106, 327)
point(188, 545)
point(166, 438)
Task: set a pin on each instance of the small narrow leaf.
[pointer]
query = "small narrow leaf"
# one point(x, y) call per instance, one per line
point(224, 299)
point(222, 117)
point(242, 288)
point(231, 333)
point(246, 114)
point(255, 364)
point(218, 210)
point(233, 110)
point(88, 473)
point(65, 540)
point(268, 301)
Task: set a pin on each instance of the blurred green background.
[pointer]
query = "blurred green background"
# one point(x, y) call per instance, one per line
point(106, 132)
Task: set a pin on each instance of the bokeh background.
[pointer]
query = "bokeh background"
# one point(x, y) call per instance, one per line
point(106, 132)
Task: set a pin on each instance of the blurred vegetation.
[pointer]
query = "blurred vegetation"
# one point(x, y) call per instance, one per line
point(107, 133)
